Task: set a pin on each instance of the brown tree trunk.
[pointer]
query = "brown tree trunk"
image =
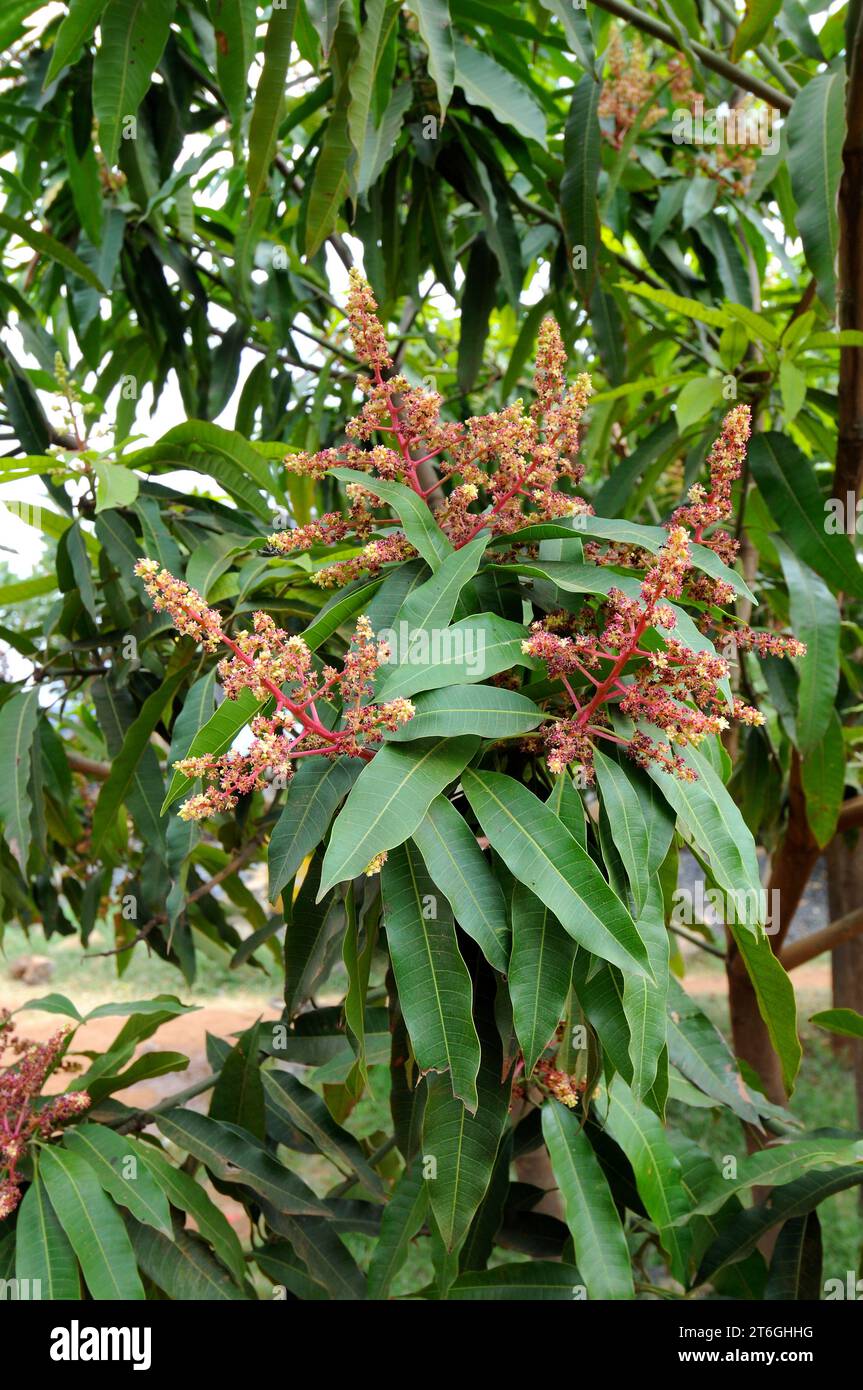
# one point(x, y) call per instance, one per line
point(845, 890)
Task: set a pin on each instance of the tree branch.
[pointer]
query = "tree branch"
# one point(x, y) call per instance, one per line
point(827, 939)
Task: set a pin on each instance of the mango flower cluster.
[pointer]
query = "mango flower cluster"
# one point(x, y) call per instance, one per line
point(275, 665)
point(679, 692)
point(499, 472)
point(22, 1119)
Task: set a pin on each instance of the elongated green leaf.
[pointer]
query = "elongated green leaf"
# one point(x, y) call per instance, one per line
point(815, 137)
point(795, 1270)
point(846, 1022)
point(822, 773)
point(460, 871)
point(700, 1052)
point(310, 938)
point(643, 1002)
point(313, 795)
point(388, 801)
point(743, 1232)
point(402, 1218)
point(415, 515)
point(235, 1157)
point(77, 27)
point(269, 97)
point(469, 709)
point(133, 35)
point(49, 246)
point(815, 620)
point(183, 1267)
point(43, 1253)
point(534, 1280)
point(578, 187)
point(18, 718)
point(640, 821)
point(124, 768)
point(787, 481)
point(657, 1171)
point(116, 1166)
point(464, 1146)
point(238, 1095)
point(434, 987)
point(305, 1109)
point(435, 26)
point(600, 1245)
point(330, 179)
point(720, 833)
point(777, 1002)
point(319, 1247)
point(470, 650)
point(539, 974)
point(485, 83)
point(234, 25)
point(538, 849)
point(433, 603)
point(92, 1224)
point(576, 27)
point(380, 18)
point(780, 1164)
point(188, 1195)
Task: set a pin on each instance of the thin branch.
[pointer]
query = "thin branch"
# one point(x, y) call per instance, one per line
point(827, 939)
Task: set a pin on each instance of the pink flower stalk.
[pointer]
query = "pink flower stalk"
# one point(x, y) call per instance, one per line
point(21, 1083)
point(672, 688)
point(512, 461)
point(265, 660)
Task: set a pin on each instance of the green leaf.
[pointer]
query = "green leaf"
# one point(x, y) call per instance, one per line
point(486, 710)
point(777, 1003)
point(325, 1257)
point(315, 791)
point(215, 737)
point(790, 488)
point(742, 1233)
point(780, 1164)
point(116, 486)
point(435, 26)
point(846, 1022)
point(238, 1096)
point(93, 1226)
point(304, 1108)
point(815, 134)
point(719, 832)
point(699, 1051)
point(188, 1195)
point(534, 1280)
point(109, 1154)
point(416, 516)
point(696, 399)
point(657, 1171)
point(464, 1145)
point(479, 297)
point(539, 973)
point(43, 1252)
point(432, 604)
point(434, 986)
point(460, 871)
point(591, 1215)
point(133, 35)
point(309, 938)
point(576, 27)
point(754, 26)
point(538, 849)
point(822, 773)
point(329, 184)
point(48, 246)
point(183, 1267)
point(578, 187)
point(796, 1267)
point(402, 1218)
point(269, 97)
point(125, 766)
point(234, 24)
point(485, 83)
point(641, 824)
point(234, 1157)
point(815, 619)
point(644, 1003)
point(77, 27)
point(381, 16)
point(18, 719)
point(470, 650)
point(388, 801)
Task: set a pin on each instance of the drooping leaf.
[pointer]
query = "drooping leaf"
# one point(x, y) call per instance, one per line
point(18, 719)
point(460, 871)
point(116, 1166)
point(815, 620)
point(469, 709)
point(435, 26)
point(269, 96)
point(315, 791)
point(815, 128)
point(43, 1252)
point(133, 35)
point(402, 1218)
point(92, 1224)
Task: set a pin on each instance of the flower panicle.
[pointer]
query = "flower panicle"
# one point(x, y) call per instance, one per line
point(23, 1118)
point(276, 665)
point(634, 664)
